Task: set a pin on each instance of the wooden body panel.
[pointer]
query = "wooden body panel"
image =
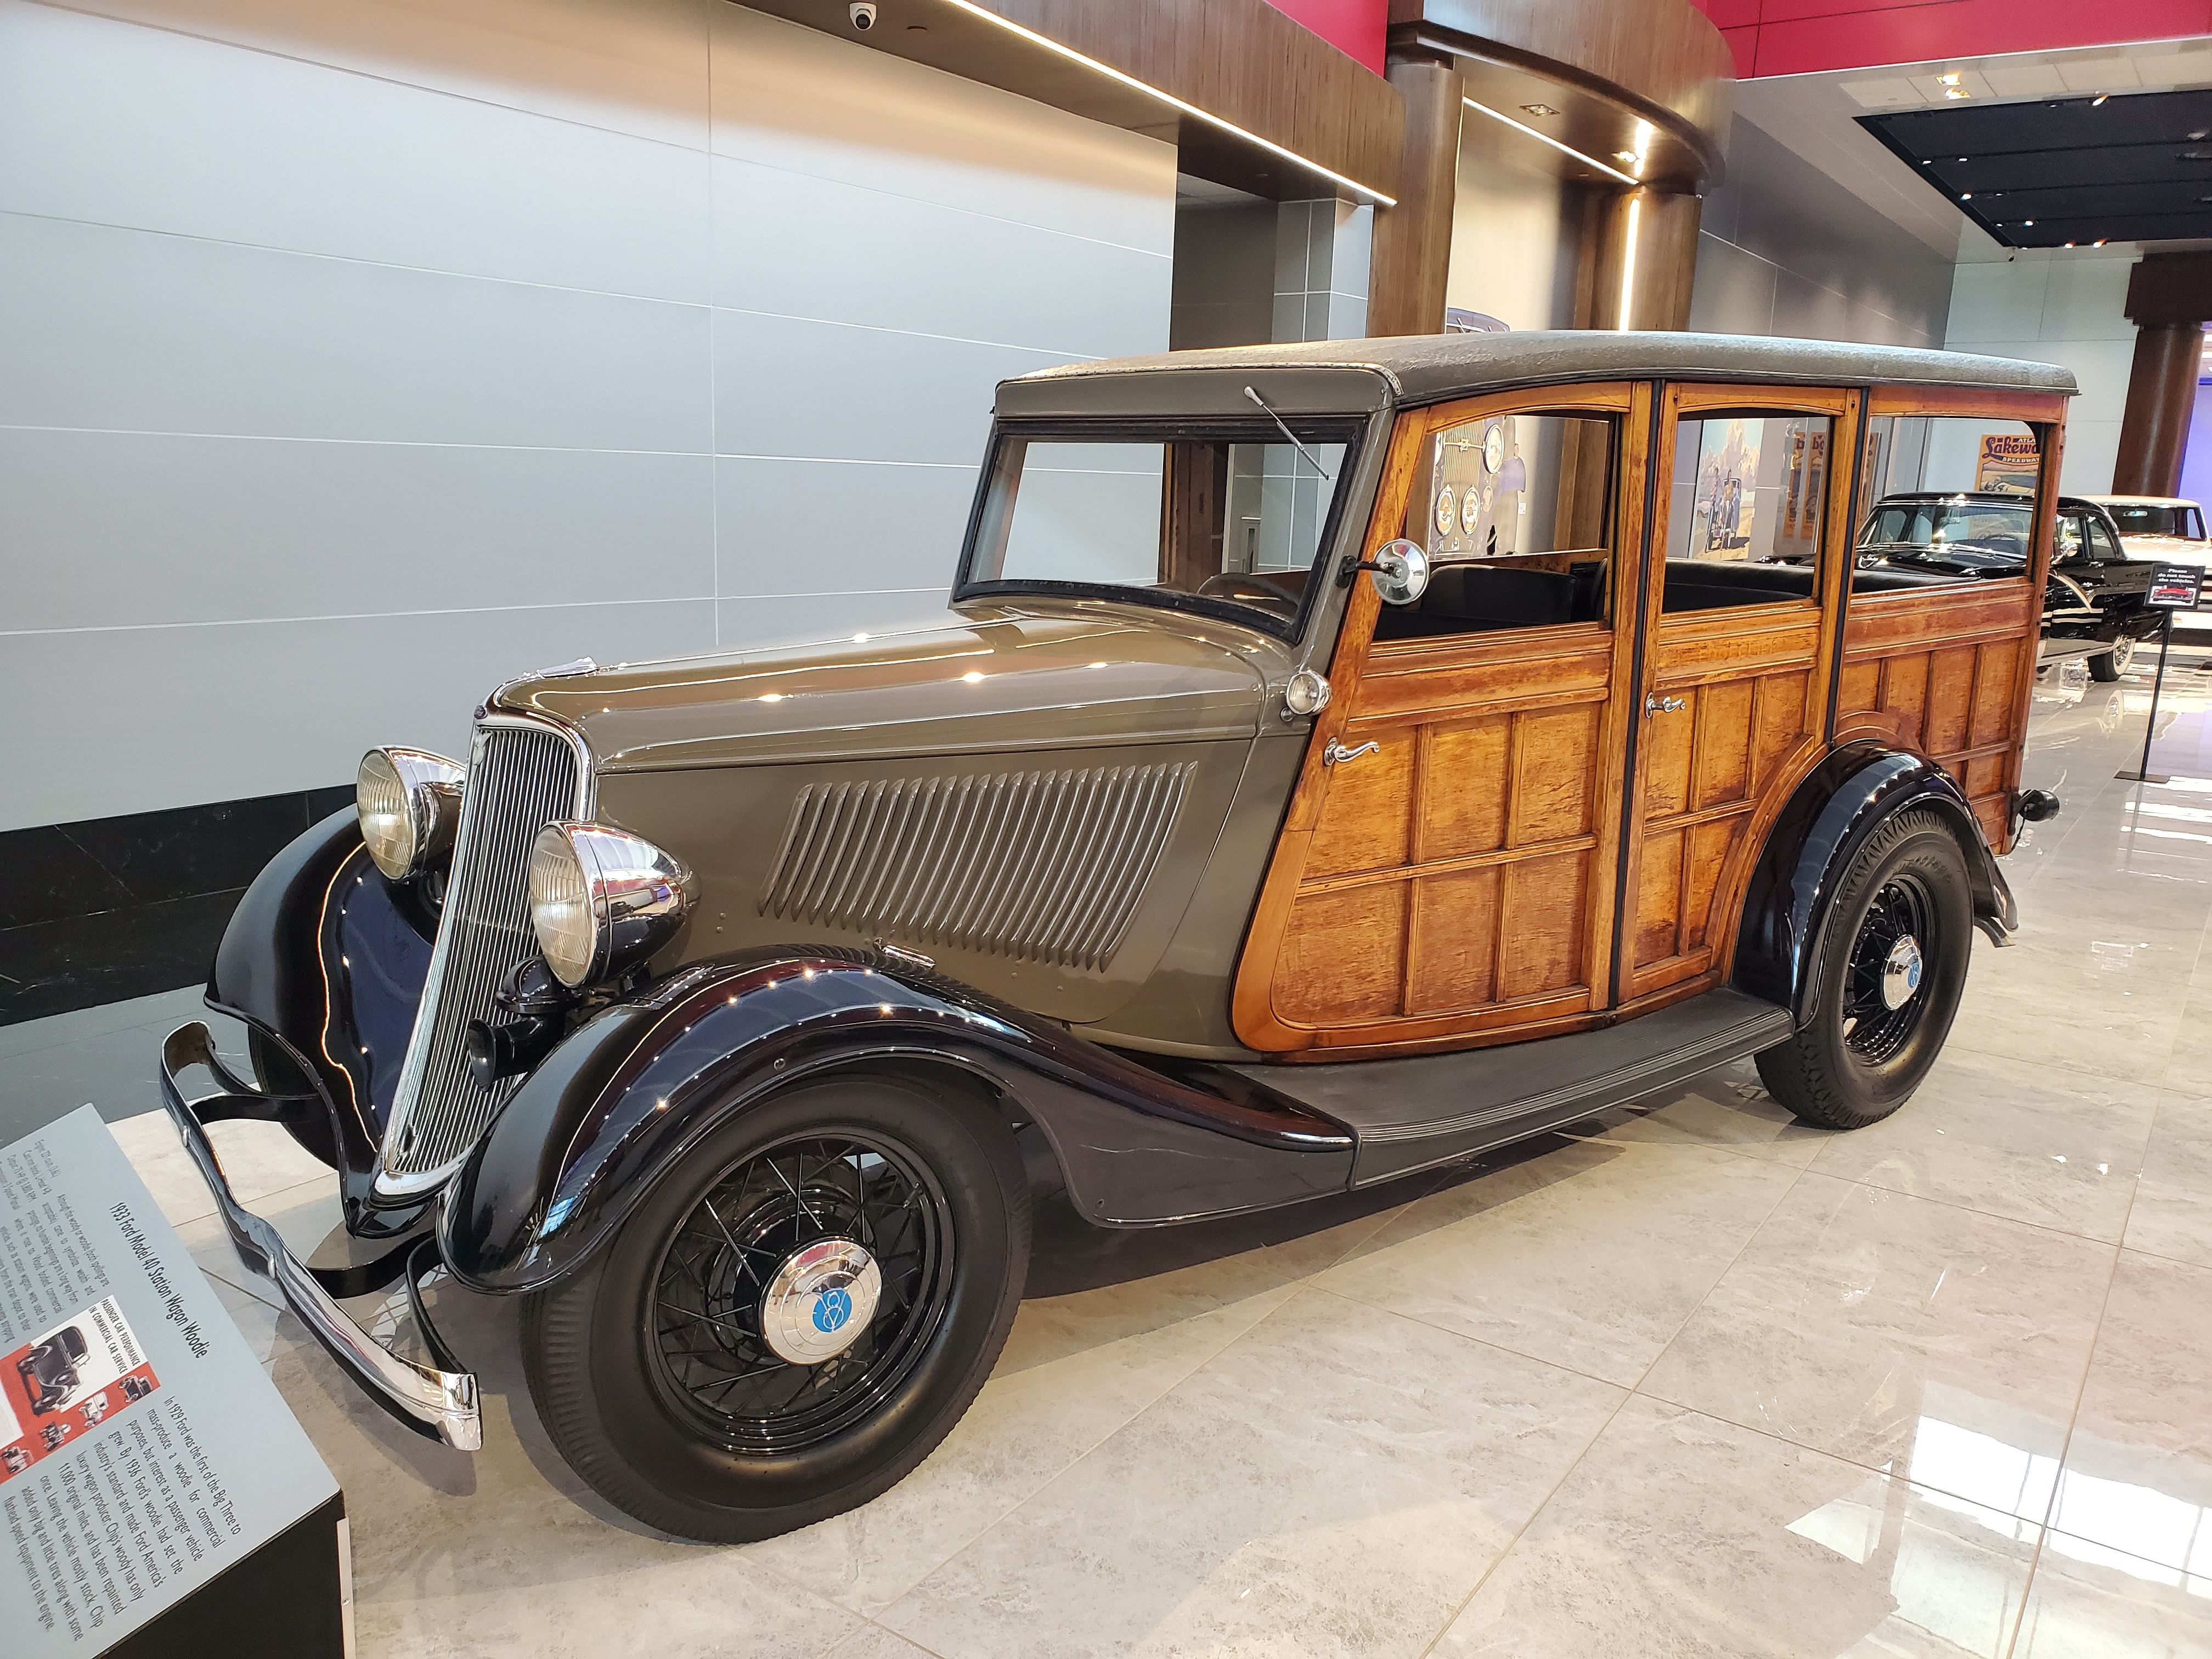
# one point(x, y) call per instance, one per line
point(1491, 814)
point(1528, 852)
point(1753, 682)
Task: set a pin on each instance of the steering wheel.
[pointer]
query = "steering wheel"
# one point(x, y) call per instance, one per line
point(1239, 585)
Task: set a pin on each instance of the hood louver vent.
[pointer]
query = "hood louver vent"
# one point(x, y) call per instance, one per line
point(1041, 866)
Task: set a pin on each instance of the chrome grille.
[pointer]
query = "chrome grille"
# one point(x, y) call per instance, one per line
point(1038, 866)
point(522, 775)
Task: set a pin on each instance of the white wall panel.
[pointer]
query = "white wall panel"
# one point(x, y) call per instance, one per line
point(794, 244)
point(627, 65)
point(131, 331)
point(793, 528)
point(359, 355)
point(125, 125)
point(175, 715)
point(2067, 307)
point(795, 98)
point(221, 529)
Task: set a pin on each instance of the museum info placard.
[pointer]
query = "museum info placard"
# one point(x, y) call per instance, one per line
point(142, 1448)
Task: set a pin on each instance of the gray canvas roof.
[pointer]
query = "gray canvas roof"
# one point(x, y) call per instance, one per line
point(1427, 367)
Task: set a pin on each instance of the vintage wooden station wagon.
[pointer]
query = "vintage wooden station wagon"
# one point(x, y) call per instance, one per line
point(1338, 760)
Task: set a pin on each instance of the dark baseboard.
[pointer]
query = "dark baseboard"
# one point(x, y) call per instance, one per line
point(108, 908)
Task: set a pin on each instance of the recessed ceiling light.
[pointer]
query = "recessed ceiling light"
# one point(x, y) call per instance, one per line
point(1962, 158)
point(2099, 98)
point(2100, 242)
point(1628, 155)
point(2200, 133)
point(1950, 80)
point(1968, 197)
point(1540, 109)
point(2069, 245)
point(2029, 223)
point(1956, 91)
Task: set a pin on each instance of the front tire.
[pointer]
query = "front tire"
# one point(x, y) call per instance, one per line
point(2111, 664)
point(691, 1372)
point(1892, 968)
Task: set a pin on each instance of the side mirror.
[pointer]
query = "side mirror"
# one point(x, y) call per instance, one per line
point(1400, 571)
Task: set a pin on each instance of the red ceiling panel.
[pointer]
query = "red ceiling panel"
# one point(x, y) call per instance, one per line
point(1798, 37)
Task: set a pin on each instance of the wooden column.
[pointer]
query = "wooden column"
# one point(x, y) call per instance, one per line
point(2169, 298)
point(1412, 240)
point(1640, 258)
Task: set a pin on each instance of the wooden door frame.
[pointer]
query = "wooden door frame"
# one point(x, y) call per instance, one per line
point(1628, 403)
point(1846, 407)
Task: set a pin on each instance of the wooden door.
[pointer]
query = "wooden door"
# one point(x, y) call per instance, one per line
point(1454, 883)
point(1748, 549)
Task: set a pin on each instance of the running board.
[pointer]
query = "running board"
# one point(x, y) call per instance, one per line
point(1409, 1114)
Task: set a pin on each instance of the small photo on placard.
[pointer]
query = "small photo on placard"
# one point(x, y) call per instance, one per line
point(74, 1377)
point(2174, 587)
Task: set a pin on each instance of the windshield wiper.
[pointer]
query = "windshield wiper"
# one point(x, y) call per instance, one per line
point(1292, 435)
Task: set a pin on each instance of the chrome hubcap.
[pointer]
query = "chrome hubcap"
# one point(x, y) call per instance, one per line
point(819, 1301)
point(1900, 973)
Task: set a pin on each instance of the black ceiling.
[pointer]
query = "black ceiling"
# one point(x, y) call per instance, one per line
point(2133, 168)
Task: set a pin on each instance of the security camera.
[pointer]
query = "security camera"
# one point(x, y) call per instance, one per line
point(863, 15)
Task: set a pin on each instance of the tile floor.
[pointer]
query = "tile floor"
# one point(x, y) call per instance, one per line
point(1689, 1380)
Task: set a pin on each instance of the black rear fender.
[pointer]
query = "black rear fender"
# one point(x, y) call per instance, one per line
point(1827, 820)
point(637, 1085)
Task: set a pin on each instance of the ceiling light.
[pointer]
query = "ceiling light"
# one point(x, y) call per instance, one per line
point(1606, 168)
point(2029, 223)
point(1950, 80)
point(1626, 155)
point(1540, 109)
point(2099, 98)
point(2069, 245)
point(2100, 242)
point(2200, 133)
point(1968, 197)
point(975, 10)
point(1956, 91)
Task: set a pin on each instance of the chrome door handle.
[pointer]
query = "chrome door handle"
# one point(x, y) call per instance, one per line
point(1333, 751)
point(1658, 705)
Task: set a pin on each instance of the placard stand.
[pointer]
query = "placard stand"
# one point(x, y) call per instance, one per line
point(2142, 774)
point(2173, 587)
point(158, 1499)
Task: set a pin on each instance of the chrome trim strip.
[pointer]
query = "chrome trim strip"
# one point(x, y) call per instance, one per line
point(436, 1403)
point(399, 1190)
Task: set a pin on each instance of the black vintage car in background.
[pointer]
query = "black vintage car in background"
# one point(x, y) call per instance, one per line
point(2095, 605)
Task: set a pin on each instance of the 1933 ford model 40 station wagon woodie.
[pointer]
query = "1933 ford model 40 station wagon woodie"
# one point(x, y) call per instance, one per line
point(1338, 760)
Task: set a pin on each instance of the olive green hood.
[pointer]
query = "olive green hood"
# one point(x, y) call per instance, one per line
point(988, 679)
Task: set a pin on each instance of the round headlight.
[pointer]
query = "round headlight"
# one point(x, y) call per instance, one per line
point(602, 900)
point(409, 803)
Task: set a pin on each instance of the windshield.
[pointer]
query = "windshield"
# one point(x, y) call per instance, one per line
point(1983, 526)
point(2135, 519)
point(1218, 520)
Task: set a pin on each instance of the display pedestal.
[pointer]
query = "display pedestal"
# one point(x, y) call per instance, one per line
point(158, 1500)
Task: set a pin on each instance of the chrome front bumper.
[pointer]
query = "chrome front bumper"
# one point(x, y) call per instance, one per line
point(441, 1405)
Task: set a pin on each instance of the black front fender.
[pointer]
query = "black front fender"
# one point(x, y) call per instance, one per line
point(629, 1091)
point(1827, 820)
point(326, 959)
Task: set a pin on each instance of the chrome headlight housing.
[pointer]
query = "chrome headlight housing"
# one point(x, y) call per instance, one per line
point(409, 803)
point(602, 900)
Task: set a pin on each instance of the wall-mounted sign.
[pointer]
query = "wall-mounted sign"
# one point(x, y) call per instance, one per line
point(2175, 586)
point(2007, 463)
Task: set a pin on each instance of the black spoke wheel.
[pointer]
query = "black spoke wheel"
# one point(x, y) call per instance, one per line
point(1882, 1002)
point(793, 1315)
point(1890, 967)
point(717, 1361)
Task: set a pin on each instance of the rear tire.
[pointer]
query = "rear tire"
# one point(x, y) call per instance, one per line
point(661, 1373)
point(1892, 967)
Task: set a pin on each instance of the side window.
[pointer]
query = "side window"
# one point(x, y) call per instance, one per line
point(2192, 524)
point(1748, 499)
point(2104, 546)
point(1951, 499)
point(1516, 513)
